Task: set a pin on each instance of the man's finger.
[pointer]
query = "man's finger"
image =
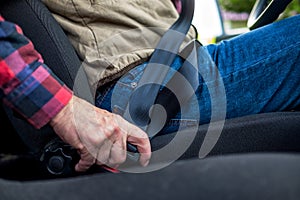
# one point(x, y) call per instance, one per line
point(104, 152)
point(138, 138)
point(85, 162)
point(117, 153)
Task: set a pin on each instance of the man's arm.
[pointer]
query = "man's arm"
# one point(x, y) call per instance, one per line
point(26, 83)
point(31, 88)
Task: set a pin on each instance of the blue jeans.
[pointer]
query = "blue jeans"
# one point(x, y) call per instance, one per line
point(260, 71)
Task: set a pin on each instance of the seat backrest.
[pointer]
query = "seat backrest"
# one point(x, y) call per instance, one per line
point(47, 36)
point(50, 41)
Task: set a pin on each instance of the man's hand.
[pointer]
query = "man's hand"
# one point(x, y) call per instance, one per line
point(99, 136)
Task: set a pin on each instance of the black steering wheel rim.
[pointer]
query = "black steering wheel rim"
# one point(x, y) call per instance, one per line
point(264, 12)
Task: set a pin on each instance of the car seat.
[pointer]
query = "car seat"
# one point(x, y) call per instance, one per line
point(276, 132)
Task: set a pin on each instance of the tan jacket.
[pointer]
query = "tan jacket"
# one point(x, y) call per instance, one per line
point(113, 36)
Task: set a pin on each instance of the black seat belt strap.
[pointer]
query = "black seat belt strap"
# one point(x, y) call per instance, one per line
point(147, 90)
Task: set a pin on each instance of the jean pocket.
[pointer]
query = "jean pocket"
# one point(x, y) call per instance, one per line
point(178, 124)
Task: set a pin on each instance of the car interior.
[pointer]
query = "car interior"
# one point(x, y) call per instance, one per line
point(255, 156)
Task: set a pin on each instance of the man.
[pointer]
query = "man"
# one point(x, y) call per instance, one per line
point(241, 63)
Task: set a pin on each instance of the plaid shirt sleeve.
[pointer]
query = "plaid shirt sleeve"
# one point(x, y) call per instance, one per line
point(26, 83)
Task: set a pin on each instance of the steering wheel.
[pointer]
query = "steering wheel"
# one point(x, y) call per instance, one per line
point(265, 12)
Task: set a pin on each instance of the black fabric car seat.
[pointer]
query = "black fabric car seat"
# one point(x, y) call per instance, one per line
point(269, 132)
point(247, 177)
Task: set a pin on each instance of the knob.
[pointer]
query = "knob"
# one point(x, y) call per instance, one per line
point(59, 158)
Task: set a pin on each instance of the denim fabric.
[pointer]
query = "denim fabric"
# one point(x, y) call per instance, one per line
point(260, 71)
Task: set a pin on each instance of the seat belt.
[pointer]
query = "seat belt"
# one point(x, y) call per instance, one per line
point(147, 92)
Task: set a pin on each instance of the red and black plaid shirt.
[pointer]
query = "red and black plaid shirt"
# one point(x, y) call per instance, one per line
point(26, 83)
